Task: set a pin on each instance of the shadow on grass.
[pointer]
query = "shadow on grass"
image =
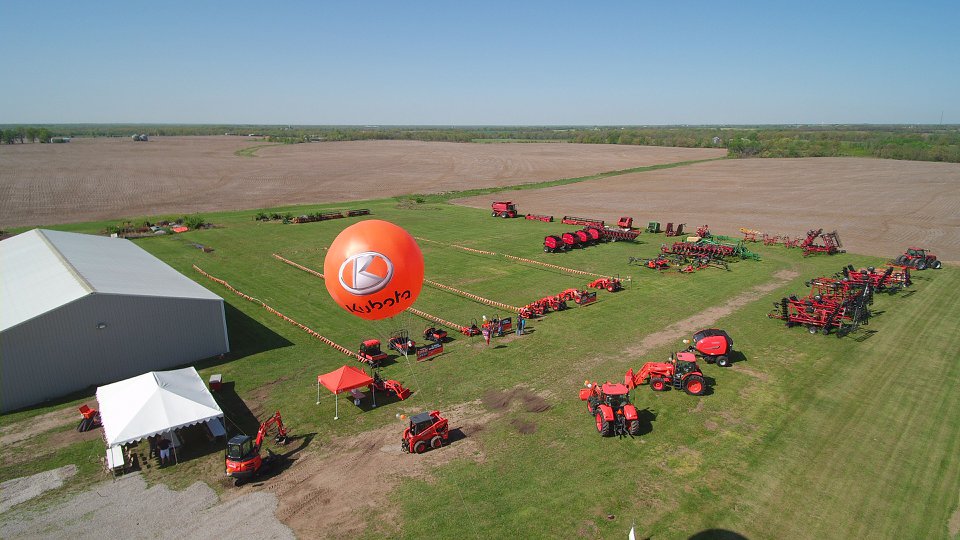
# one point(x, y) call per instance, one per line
point(247, 337)
point(862, 335)
point(646, 418)
point(239, 417)
point(717, 534)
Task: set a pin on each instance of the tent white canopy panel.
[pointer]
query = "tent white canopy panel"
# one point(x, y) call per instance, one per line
point(153, 403)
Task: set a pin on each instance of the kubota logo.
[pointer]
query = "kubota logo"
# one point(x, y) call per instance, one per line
point(365, 273)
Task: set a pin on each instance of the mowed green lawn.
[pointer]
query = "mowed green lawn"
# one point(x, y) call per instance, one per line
point(806, 436)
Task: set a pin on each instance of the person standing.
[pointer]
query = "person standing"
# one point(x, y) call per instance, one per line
point(521, 323)
point(164, 445)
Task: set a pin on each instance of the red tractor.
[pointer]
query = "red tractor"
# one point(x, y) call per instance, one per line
point(426, 430)
point(680, 372)
point(611, 284)
point(243, 459)
point(919, 258)
point(610, 405)
point(713, 345)
point(504, 209)
point(370, 353)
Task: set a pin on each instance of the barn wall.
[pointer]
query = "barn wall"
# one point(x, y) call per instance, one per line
point(63, 351)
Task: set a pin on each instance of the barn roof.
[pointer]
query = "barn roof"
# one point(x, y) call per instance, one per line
point(41, 270)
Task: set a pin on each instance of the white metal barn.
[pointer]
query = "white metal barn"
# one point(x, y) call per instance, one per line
point(79, 310)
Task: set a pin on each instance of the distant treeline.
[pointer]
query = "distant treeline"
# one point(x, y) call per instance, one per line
point(923, 143)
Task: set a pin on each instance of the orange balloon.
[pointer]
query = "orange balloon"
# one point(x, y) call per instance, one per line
point(374, 269)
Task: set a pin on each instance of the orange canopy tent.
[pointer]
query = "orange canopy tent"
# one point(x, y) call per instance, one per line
point(340, 380)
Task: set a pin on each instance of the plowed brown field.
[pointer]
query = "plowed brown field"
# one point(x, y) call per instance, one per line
point(90, 179)
point(878, 206)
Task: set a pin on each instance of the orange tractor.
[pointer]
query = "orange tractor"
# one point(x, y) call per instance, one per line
point(426, 430)
point(681, 372)
point(609, 404)
point(243, 459)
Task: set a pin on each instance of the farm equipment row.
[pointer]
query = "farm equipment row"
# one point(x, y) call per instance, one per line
point(588, 236)
point(830, 243)
point(537, 217)
point(890, 279)
point(324, 216)
point(574, 220)
point(839, 305)
point(712, 247)
point(558, 302)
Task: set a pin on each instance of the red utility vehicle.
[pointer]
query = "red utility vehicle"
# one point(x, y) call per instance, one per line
point(436, 335)
point(390, 385)
point(610, 405)
point(504, 209)
point(919, 258)
point(243, 459)
point(713, 345)
point(680, 372)
point(426, 430)
point(370, 353)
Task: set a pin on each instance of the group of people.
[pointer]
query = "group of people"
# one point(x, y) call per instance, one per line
point(160, 447)
point(495, 327)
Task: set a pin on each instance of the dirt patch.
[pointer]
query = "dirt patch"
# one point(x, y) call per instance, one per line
point(107, 178)
point(524, 427)
point(497, 400)
point(759, 375)
point(322, 492)
point(710, 425)
point(126, 508)
point(899, 203)
point(30, 427)
point(18, 490)
point(954, 523)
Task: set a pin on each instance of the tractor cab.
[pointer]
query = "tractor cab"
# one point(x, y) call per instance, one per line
point(686, 363)
point(421, 422)
point(240, 448)
point(370, 352)
point(617, 395)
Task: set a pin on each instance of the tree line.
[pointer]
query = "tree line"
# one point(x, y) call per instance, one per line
point(921, 143)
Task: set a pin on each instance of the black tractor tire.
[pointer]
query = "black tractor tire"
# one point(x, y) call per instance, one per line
point(936, 265)
point(420, 447)
point(692, 379)
point(590, 409)
point(605, 428)
point(921, 264)
point(901, 260)
point(546, 249)
point(826, 330)
point(812, 329)
point(504, 215)
point(633, 427)
point(723, 361)
point(657, 384)
point(436, 442)
point(493, 214)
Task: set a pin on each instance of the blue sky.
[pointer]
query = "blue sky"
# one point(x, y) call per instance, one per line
point(469, 63)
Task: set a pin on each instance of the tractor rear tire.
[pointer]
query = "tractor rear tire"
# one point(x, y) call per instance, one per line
point(657, 384)
point(936, 265)
point(504, 215)
point(921, 264)
point(605, 428)
point(436, 442)
point(633, 427)
point(723, 361)
point(420, 447)
point(694, 385)
point(901, 260)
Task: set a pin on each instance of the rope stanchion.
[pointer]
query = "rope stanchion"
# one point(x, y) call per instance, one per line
point(473, 250)
point(434, 318)
point(480, 299)
point(305, 328)
point(300, 266)
point(548, 265)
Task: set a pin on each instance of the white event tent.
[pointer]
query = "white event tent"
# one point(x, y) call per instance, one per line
point(153, 403)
